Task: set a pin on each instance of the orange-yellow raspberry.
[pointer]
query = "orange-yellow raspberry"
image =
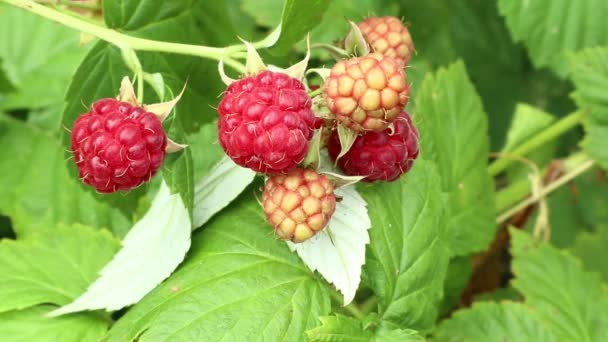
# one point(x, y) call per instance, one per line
point(367, 93)
point(298, 204)
point(388, 36)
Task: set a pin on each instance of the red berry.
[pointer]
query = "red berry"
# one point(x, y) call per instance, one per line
point(388, 36)
point(266, 122)
point(299, 204)
point(382, 155)
point(367, 93)
point(117, 146)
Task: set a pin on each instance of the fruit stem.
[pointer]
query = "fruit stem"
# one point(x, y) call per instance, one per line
point(369, 305)
point(552, 132)
point(126, 41)
point(352, 308)
point(315, 92)
point(508, 198)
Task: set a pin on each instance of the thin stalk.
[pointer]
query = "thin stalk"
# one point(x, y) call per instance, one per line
point(315, 92)
point(350, 308)
point(542, 138)
point(126, 41)
point(519, 190)
point(582, 165)
point(369, 305)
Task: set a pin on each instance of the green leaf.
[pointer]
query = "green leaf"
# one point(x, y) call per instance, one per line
point(442, 32)
point(266, 13)
point(218, 188)
point(490, 42)
point(551, 29)
point(488, 322)
point(328, 29)
point(5, 84)
point(150, 252)
point(407, 258)
point(453, 134)
point(207, 149)
point(460, 270)
point(218, 180)
point(591, 249)
point(40, 57)
point(397, 335)
point(36, 190)
point(178, 167)
point(149, 17)
point(238, 283)
point(591, 198)
point(338, 251)
point(298, 18)
point(498, 295)
point(527, 122)
point(32, 325)
point(52, 265)
point(571, 302)
point(341, 328)
point(47, 118)
point(596, 143)
point(590, 75)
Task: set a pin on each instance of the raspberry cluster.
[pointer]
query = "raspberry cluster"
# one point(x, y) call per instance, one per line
point(266, 123)
point(368, 94)
point(117, 146)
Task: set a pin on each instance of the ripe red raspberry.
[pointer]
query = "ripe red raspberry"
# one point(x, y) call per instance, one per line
point(266, 122)
point(379, 155)
point(117, 146)
point(388, 36)
point(298, 204)
point(367, 93)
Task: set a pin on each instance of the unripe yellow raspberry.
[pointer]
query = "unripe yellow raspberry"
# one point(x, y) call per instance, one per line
point(298, 204)
point(388, 36)
point(367, 93)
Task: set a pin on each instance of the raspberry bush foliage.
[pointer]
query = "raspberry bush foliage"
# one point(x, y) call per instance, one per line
point(291, 170)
